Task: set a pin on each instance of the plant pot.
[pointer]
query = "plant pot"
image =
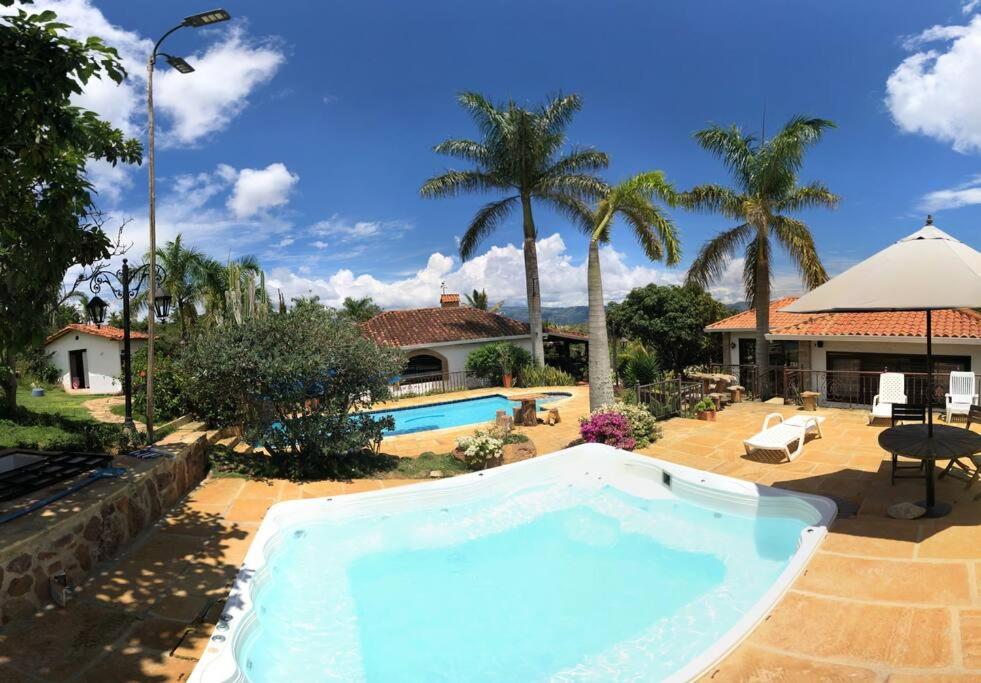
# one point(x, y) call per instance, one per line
point(706, 415)
point(507, 380)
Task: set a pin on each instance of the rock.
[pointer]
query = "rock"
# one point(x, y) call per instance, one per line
point(516, 452)
point(93, 528)
point(20, 585)
point(20, 564)
point(905, 510)
point(553, 416)
point(436, 474)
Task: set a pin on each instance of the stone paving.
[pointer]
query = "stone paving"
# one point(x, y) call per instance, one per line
point(883, 600)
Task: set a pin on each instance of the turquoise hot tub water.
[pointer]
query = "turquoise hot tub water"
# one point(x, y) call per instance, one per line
point(563, 581)
point(453, 413)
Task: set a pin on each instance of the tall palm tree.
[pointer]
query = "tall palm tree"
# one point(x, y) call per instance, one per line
point(520, 154)
point(765, 174)
point(633, 200)
point(184, 269)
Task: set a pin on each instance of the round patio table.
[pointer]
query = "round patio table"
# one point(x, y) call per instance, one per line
point(947, 443)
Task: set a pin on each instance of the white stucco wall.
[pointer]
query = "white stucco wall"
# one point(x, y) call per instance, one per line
point(456, 353)
point(102, 361)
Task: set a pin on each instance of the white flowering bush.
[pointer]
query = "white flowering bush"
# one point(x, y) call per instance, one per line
point(644, 428)
point(478, 450)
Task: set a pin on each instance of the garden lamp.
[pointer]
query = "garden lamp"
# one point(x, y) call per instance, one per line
point(161, 304)
point(97, 310)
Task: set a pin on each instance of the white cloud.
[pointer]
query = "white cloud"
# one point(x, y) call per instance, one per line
point(730, 289)
point(224, 77)
point(320, 244)
point(286, 241)
point(970, 6)
point(109, 181)
point(936, 92)
point(499, 270)
point(259, 189)
point(347, 231)
point(964, 194)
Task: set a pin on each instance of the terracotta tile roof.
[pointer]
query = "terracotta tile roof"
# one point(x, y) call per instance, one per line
point(746, 320)
point(950, 323)
point(114, 333)
point(433, 325)
point(955, 324)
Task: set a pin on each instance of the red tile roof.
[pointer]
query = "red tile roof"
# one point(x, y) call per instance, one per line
point(949, 323)
point(746, 320)
point(107, 332)
point(419, 326)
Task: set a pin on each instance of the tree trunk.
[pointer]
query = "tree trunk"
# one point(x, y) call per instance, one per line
point(8, 377)
point(531, 285)
point(762, 303)
point(600, 375)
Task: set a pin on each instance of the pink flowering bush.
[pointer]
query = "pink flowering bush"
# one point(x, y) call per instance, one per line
point(613, 429)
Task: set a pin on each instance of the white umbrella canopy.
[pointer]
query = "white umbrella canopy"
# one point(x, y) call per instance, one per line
point(928, 270)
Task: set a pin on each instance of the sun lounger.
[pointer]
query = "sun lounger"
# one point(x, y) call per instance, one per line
point(780, 436)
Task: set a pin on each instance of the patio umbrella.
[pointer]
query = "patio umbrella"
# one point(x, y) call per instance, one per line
point(927, 271)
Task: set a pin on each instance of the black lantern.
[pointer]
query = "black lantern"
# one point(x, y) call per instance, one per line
point(161, 304)
point(97, 310)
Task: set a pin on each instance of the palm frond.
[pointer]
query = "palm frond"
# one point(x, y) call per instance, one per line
point(484, 223)
point(714, 256)
point(814, 195)
point(454, 183)
point(573, 208)
point(579, 160)
point(781, 157)
point(714, 199)
point(654, 230)
point(483, 112)
point(579, 185)
point(732, 147)
point(556, 114)
point(796, 238)
point(467, 150)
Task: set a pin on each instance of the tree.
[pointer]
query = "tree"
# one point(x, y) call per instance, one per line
point(633, 200)
point(765, 174)
point(184, 279)
point(520, 155)
point(671, 321)
point(46, 203)
point(295, 382)
point(478, 299)
point(360, 310)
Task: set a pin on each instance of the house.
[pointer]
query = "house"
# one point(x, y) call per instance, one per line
point(90, 357)
point(855, 342)
point(438, 340)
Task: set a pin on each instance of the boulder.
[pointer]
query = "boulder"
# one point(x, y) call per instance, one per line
point(905, 510)
point(516, 452)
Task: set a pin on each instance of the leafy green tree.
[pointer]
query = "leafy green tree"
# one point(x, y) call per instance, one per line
point(520, 154)
point(766, 190)
point(46, 203)
point(633, 200)
point(492, 361)
point(293, 381)
point(670, 321)
point(360, 310)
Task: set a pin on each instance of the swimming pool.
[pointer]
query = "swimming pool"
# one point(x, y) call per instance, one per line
point(453, 413)
point(589, 564)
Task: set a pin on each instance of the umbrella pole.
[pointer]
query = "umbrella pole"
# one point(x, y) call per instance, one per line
point(929, 377)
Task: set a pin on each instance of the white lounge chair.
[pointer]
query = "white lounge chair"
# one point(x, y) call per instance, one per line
point(961, 395)
point(892, 389)
point(780, 436)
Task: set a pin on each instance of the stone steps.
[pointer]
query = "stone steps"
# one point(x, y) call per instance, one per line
point(243, 448)
point(228, 442)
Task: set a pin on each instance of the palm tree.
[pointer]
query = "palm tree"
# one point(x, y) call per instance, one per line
point(766, 190)
point(632, 200)
point(360, 310)
point(218, 281)
point(520, 154)
point(480, 300)
point(184, 269)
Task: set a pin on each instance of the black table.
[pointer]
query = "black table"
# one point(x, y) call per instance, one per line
point(947, 443)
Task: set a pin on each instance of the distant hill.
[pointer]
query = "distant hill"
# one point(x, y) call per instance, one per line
point(560, 315)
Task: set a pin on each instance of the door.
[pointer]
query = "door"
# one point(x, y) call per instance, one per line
point(747, 365)
point(76, 368)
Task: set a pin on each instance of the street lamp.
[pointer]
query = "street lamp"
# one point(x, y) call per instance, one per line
point(181, 66)
point(125, 284)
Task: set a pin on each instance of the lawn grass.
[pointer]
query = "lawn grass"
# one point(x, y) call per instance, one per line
point(57, 402)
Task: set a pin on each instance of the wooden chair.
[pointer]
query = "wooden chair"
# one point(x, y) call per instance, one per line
point(905, 412)
point(971, 468)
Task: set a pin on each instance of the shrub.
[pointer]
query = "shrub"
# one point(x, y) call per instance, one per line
point(293, 381)
point(643, 426)
point(705, 405)
point(544, 376)
point(638, 365)
point(612, 429)
point(480, 449)
point(169, 401)
point(491, 361)
point(40, 368)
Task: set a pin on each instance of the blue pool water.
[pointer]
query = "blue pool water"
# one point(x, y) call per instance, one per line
point(452, 413)
point(565, 581)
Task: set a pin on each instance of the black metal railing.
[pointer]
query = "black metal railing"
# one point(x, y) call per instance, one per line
point(666, 398)
point(857, 388)
point(747, 376)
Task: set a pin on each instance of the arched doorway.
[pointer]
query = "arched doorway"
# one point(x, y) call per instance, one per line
point(423, 365)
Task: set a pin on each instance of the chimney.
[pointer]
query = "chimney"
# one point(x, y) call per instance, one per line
point(449, 300)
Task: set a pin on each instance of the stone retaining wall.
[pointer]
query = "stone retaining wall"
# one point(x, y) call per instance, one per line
point(89, 526)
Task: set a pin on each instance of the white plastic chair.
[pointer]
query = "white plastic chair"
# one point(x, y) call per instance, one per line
point(892, 389)
point(781, 435)
point(961, 395)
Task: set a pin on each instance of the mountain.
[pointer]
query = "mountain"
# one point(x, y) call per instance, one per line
point(560, 315)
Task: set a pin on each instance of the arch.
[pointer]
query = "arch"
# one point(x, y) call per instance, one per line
point(425, 362)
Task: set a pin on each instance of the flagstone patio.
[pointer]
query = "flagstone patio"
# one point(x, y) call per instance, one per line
point(883, 600)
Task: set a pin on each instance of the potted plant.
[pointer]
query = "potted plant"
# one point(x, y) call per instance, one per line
point(705, 409)
point(506, 359)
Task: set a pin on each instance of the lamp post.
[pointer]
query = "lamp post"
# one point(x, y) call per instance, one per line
point(130, 281)
point(181, 66)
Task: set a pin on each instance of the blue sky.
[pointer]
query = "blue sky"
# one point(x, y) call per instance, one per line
point(306, 132)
